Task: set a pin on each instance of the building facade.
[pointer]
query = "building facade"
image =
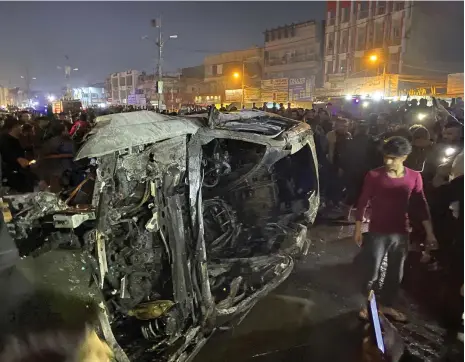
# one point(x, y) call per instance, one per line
point(228, 74)
point(357, 30)
point(123, 84)
point(91, 96)
point(294, 51)
point(385, 42)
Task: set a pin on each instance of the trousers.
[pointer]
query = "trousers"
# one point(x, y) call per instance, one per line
point(376, 246)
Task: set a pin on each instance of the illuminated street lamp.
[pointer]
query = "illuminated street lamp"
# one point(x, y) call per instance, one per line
point(375, 59)
point(236, 75)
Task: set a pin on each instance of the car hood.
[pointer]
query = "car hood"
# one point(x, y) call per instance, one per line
point(116, 132)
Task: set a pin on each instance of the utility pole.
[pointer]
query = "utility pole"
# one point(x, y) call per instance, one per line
point(156, 23)
point(242, 84)
point(67, 69)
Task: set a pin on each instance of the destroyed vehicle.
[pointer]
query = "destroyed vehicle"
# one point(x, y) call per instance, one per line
point(192, 220)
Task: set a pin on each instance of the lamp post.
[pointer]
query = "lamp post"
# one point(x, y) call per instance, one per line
point(375, 59)
point(242, 75)
point(67, 69)
point(156, 23)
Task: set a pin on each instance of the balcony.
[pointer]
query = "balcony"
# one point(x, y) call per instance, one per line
point(290, 60)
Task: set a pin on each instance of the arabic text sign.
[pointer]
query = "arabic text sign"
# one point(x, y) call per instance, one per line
point(278, 97)
point(252, 95)
point(233, 95)
point(276, 85)
point(301, 88)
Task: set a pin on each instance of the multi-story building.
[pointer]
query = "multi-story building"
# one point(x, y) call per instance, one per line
point(191, 83)
point(171, 89)
point(227, 74)
point(390, 38)
point(123, 84)
point(294, 51)
point(91, 96)
point(4, 97)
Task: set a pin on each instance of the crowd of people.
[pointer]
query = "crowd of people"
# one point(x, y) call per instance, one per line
point(402, 176)
point(37, 151)
point(405, 178)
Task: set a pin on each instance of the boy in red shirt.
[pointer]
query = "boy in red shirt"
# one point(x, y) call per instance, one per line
point(390, 190)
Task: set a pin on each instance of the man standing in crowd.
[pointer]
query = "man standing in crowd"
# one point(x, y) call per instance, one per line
point(15, 165)
point(337, 142)
point(390, 190)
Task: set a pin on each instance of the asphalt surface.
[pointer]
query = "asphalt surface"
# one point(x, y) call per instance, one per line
point(310, 317)
point(313, 316)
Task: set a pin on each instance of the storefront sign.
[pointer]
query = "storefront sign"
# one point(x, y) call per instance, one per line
point(301, 89)
point(276, 85)
point(233, 95)
point(252, 95)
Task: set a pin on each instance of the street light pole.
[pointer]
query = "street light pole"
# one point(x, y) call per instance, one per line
point(160, 59)
point(156, 23)
point(242, 85)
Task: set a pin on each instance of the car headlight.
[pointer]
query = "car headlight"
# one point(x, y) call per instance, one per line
point(421, 116)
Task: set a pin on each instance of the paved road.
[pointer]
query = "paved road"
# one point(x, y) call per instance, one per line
point(313, 315)
point(310, 317)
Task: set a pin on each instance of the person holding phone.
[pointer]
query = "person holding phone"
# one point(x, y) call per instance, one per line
point(382, 342)
point(391, 190)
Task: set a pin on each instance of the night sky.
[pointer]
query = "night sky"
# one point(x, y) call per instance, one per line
point(105, 37)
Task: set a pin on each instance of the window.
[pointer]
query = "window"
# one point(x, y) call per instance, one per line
point(214, 70)
point(114, 82)
point(381, 7)
point(208, 70)
point(344, 41)
point(219, 69)
point(396, 32)
point(342, 66)
point(345, 14)
point(94, 95)
point(329, 67)
point(364, 6)
point(331, 17)
point(122, 81)
point(357, 65)
point(399, 5)
point(394, 63)
point(330, 43)
point(361, 38)
point(129, 80)
point(379, 28)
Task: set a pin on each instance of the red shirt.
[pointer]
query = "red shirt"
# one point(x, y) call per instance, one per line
point(81, 125)
point(390, 199)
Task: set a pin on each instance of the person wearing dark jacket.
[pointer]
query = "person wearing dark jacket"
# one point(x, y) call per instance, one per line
point(15, 166)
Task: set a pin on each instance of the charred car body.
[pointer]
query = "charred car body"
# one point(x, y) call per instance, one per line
point(191, 221)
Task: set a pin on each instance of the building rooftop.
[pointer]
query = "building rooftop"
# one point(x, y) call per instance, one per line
point(304, 23)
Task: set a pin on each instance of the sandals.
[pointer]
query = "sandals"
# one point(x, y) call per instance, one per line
point(363, 314)
point(394, 314)
point(390, 313)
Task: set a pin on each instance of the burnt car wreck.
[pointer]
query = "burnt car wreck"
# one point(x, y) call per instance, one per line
point(192, 220)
